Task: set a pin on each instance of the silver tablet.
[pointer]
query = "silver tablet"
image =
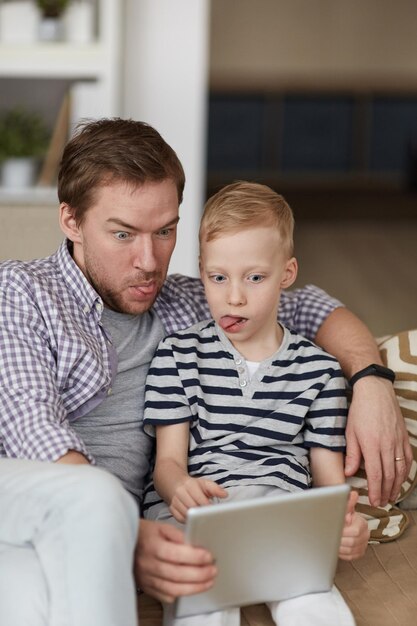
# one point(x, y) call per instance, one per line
point(267, 549)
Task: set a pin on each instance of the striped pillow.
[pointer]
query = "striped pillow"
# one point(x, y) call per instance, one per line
point(399, 352)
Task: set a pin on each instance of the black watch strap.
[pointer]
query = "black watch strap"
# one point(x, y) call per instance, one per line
point(373, 370)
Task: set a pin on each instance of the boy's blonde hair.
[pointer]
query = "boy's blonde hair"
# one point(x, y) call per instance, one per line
point(244, 205)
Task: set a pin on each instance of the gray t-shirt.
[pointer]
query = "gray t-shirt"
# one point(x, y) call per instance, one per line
point(112, 431)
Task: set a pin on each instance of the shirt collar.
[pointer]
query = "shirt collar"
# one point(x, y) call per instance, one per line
point(75, 280)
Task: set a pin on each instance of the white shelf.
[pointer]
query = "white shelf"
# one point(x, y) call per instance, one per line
point(53, 60)
point(32, 196)
point(98, 61)
point(93, 69)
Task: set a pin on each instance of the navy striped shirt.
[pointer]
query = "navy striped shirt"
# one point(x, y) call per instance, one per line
point(246, 430)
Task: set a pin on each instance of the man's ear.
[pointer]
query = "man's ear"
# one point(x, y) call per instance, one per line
point(68, 223)
point(290, 273)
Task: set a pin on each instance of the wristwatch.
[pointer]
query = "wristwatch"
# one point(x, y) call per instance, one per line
point(373, 370)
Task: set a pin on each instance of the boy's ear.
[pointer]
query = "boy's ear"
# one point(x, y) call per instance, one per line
point(290, 273)
point(68, 223)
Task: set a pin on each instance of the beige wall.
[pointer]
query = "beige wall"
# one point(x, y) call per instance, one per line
point(28, 232)
point(360, 43)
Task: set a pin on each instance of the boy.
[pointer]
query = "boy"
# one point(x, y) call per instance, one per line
point(242, 406)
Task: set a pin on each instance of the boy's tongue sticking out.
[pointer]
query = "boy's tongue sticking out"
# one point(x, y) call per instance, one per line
point(231, 323)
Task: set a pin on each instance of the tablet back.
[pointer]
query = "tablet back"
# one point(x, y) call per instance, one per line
point(267, 548)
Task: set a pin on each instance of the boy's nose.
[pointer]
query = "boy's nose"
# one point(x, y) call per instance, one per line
point(236, 296)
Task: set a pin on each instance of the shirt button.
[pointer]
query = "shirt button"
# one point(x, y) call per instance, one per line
point(86, 309)
point(241, 370)
point(238, 361)
point(243, 383)
point(99, 307)
point(109, 390)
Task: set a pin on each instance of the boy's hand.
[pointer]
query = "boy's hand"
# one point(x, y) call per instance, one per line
point(355, 533)
point(194, 492)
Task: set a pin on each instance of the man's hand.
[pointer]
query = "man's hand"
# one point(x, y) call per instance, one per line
point(376, 430)
point(375, 427)
point(166, 568)
point(194, 492)
point(355, 534)
point(72, 457)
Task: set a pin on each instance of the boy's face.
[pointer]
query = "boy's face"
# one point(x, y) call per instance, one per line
point(243, 274)
point(125, 242)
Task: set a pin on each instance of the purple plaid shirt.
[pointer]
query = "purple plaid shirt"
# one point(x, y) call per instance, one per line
point(57, 362)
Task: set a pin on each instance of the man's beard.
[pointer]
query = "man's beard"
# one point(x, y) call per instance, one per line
point(114, 300)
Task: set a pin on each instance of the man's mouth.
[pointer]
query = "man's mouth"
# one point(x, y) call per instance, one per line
point(145, 290)
point(232, 323)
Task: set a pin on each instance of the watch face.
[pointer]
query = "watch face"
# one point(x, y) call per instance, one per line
point(384, 371)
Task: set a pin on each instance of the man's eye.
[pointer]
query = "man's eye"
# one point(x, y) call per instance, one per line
point(256, 278)
point(218, 278)
point(165, 232)
point(121, 235)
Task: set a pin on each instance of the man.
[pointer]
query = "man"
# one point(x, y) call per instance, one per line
point(78, 331)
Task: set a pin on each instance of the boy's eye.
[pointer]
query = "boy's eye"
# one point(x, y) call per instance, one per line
point(218, 278)
point(256, 278)
point(121, 235)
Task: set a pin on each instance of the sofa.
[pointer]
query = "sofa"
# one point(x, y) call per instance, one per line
point(381, 587)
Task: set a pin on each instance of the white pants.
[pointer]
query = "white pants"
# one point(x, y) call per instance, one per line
point(67, 538)
point(316, 609)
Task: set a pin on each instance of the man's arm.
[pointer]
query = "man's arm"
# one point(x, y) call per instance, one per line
point(375, 428)
point(32, 412)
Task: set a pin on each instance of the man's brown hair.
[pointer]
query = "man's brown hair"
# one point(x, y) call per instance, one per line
point(243, 205)
point(114, 149)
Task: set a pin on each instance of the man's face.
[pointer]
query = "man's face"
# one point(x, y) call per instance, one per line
point(125, 242)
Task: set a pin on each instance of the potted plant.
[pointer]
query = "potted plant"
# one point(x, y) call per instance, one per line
point(51, 27)
point(23, 140)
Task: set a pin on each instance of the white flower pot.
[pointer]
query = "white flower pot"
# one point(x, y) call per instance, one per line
point(79, 22)
point(51, 29)
point(18, 173)
point(19, 22)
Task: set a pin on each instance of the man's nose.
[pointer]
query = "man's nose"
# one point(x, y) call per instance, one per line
point(144, 257)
